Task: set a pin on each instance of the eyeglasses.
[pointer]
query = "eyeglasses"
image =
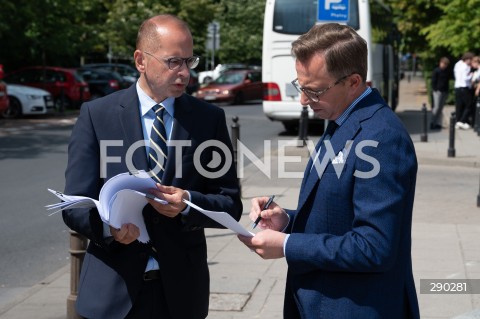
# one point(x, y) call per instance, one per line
point(312, 95)
point(177, 62)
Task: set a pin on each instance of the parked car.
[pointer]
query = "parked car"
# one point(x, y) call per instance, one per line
point(205, 77)
point(25, 100)
point(235, 87)
point(64, 84)
point(128, 72)
point(3, 92)
point(102, 82)
point(193, 84)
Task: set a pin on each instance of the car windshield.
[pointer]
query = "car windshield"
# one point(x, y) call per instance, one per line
point(230, 78)
point(78, 76)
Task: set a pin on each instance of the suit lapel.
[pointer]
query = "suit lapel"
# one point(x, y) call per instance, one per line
point(129, 116)
point(338, 141)
point(349, 129)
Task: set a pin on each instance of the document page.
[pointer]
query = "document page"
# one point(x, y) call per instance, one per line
point(222, 218)
point(136, 182)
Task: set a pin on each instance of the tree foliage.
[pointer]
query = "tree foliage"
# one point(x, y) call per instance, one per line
point(124, 17)
point(435, 28)
point(70, 32)
point(241, 30)
point(44, 31)
point(457, 27)
point(411, 16)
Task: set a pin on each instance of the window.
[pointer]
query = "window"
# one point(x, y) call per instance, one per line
point(297, 17)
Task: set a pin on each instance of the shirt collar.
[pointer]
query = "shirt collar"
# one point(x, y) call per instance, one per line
point(342, 118)
point(146, 102)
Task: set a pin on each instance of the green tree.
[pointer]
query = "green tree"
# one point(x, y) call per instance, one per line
point(412, 16)
point(241, 31)
point(435, 28)
point(45, 31)
point(457, 27)
point(125, 16)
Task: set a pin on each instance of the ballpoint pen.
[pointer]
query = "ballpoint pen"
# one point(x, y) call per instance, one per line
point(270, 200)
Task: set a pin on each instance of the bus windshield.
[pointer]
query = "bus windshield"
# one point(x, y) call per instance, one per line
point(297, 17)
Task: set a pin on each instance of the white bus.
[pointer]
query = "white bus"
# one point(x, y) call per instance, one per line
point(286, 20)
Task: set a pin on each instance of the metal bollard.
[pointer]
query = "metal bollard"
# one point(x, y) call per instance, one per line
point(424, 136)
point(62, 101)
point(478, 197)
point(82, 89)
point(78, 247)
point(451, 137)
point(303, 126)
point(235, 133)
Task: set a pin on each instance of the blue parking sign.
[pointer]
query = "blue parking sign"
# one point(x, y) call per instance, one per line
point(333, 10)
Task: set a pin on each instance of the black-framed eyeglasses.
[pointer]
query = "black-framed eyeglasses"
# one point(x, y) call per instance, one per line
point(312, 95)
point(175, 63)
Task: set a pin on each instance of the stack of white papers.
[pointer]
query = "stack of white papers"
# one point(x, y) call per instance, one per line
point(121, 201)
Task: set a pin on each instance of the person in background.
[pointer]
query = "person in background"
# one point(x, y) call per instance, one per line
point(440, 87)
point(463, 90)
point(348, 242)
point(475, 87)
point(167, 278)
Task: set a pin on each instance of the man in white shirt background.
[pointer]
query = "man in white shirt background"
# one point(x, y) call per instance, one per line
point(463, 90)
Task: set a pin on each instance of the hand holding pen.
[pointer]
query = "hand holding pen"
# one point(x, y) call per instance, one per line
point(259, 218)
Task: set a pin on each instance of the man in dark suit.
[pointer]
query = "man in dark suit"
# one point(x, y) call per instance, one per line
point(168, 277)
point(348, 243)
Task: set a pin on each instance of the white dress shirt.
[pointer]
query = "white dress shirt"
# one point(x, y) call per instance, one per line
point(463, 76)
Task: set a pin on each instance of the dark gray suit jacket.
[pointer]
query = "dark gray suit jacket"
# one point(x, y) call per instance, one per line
point(111, 274)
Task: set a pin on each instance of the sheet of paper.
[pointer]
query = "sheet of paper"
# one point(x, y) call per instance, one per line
point(128, 206)
point(140, 182)
point(223, 219)
point(70, 201)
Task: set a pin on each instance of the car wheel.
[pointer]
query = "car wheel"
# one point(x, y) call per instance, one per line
point(62, 106)
point(207, 80)
point(239, 99)
point(14, 110)
point(95, 95)
point(290, 126)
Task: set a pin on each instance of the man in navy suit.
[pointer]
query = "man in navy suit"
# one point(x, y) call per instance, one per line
point(168, 277)
point(348, 243)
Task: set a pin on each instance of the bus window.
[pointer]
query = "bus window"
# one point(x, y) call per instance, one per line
point(297, 17)
point(294, 17)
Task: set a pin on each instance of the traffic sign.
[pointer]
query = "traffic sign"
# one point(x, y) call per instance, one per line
point(333, 10)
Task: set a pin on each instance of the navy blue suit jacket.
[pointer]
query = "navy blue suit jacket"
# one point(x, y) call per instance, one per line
point(349, 252)
point(111, 274)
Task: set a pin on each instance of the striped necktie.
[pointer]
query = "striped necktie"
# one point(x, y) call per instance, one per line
point(158, 144)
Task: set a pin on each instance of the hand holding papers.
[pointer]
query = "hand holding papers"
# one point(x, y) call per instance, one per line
point(222, 218)
point(121, 201)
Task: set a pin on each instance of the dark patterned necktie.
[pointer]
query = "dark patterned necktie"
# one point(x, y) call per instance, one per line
point(158, 144)
point(327, 135)
point(331, 127)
